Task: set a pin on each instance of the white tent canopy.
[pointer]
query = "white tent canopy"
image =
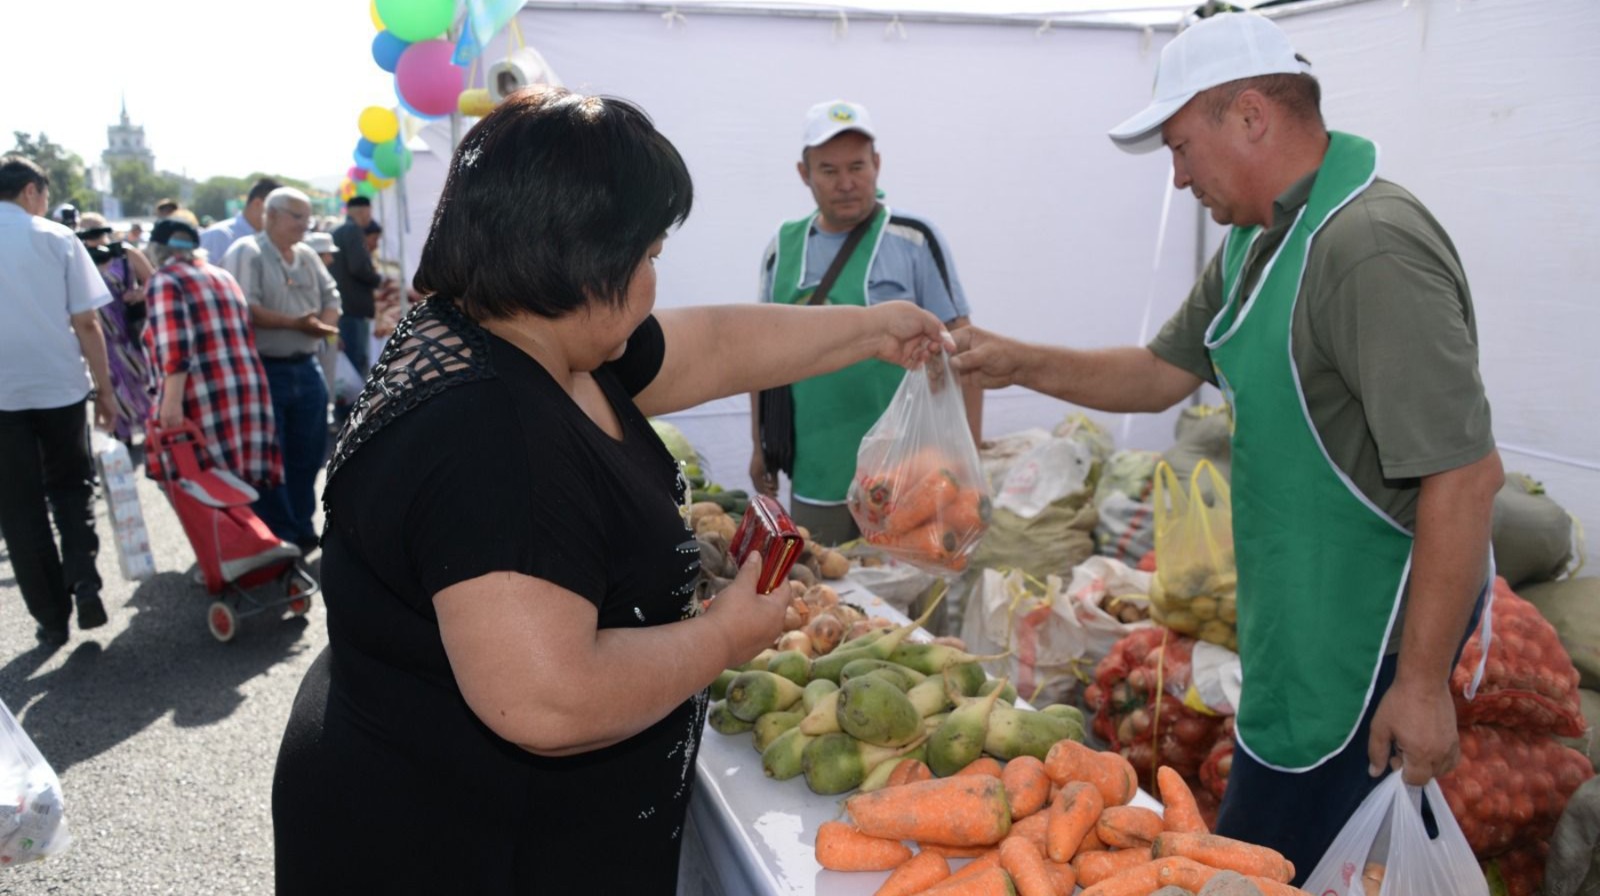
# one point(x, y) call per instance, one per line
point(994, 127)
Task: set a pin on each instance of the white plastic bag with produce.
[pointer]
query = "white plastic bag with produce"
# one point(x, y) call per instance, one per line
point(1384, 850)
point(32, 825)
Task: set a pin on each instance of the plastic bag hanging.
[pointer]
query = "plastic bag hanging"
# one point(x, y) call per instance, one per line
point(32, 822)
point(1385, 848)
point(919, 492)
point(1194, 591)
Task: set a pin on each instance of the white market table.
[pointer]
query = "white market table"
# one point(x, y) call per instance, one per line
point(749, 835)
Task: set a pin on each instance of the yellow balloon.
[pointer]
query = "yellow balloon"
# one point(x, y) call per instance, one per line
point(372, 10)
point(378, 124)
point(475, 103)
point(382, 183)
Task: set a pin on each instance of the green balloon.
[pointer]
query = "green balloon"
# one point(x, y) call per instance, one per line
point(366, 188)
point(414, 20)
point(391, 159)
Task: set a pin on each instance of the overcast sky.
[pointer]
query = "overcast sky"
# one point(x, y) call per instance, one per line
point(220, 86)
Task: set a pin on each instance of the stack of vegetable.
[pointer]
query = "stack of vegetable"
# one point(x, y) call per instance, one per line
point(839, 718)
point(1139, 710)
point(1515, 777)
point(1042, 828)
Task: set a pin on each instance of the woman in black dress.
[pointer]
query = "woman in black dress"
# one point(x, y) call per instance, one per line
point(514, 688)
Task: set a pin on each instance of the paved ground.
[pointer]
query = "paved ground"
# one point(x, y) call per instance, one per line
point(164, 738)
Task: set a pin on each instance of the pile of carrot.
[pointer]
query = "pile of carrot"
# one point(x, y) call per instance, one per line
point(1038, 828)
point(922, 511)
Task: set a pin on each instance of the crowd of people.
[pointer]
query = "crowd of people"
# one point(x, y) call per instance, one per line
point(511, 601)
point(236, 329)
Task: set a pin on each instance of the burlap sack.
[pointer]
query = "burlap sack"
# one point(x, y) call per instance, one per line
point(1573, 868)
point(1573, 608)
point(1532, 535)
point(1201, 433)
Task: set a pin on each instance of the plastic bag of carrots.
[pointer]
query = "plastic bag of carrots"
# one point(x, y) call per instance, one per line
point(919, 492)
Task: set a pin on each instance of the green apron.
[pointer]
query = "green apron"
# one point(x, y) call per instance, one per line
point(1321, 568)
point(833, 411)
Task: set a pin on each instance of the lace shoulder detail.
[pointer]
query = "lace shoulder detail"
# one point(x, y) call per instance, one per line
point(434, 348)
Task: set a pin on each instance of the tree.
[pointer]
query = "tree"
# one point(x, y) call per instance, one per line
point(65, 169)
point(139, 188)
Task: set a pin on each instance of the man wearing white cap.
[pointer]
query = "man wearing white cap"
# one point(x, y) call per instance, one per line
point(1338, 324)
point(852, 250)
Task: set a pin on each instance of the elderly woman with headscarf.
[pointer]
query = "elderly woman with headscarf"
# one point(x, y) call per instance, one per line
point(125, 271)
point(203, 346)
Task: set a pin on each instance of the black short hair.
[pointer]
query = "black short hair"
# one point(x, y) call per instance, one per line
point(552, 200)
point(372, 227)
point(16, 172)
point(260, 189)
point(358, 202)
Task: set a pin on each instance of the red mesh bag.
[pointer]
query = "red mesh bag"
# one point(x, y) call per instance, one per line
point(1521, 869)
point(1138, 710)
point(1529, 683)
point(1214, 771)
point(1511, 787)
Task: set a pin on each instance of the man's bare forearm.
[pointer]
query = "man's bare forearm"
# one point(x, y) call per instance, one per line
point(1124, 379)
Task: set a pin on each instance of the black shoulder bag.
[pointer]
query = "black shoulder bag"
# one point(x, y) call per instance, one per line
point(775, 409)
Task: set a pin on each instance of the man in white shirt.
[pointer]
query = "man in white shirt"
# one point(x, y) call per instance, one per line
point(218, 237)
point(49, 326)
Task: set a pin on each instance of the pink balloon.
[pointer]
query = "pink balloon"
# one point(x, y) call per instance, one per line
point(427, 80)
point(356, 173)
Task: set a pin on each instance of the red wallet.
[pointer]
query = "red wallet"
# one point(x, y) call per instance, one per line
point(768, 531)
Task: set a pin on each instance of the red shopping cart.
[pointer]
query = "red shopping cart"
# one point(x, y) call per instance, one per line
point(236, 552)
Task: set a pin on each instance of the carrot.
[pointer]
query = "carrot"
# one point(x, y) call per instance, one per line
point(1071, 816)
point(1178, 871)
point(1062, 875)
point(1027, 786)
point(1111, 774)
point(1025, 864)
point(917, 874)
point(1140, 880)
point(1127, 827)
point(969, 810)
point(984, 765)
point(989, 859)
point(1094, 867)
point(1181, 813)
point(930, 541)
point(1225, 853)
point(964, 515)
point(955, 852)
point(841, 847)
point(909, 770)
point(991, 882)
point(1270, 887)
point(1034, 829)
point(1091, 843)
point(922, 502)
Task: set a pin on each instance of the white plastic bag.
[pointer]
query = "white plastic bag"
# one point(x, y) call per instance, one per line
point(32, 822)
point(122, 505)
point(1412, 863)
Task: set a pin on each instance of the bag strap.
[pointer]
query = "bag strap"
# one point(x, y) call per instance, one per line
point(839, 261)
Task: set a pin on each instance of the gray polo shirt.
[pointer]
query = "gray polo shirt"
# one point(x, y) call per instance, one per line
point(297, 289)
point(1384, 339)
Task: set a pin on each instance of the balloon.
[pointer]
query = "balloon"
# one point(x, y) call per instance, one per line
point(414, 20)
point(408, 108)
point(356, 174)
point(382, 183)
point(386, 50)
point(392, 159)
point(372, 10)
point(362, 161)
point(379, 124)
point(364, 147)
point(366, 189)
point(427, 79)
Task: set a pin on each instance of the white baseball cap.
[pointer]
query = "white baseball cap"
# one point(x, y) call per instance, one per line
point(828, 120)
point(1226, 47)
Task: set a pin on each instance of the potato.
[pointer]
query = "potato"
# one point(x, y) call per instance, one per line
point(1216, 631)
point(1182, 622)
point(699, 510)
point(1228, 609)
point(802, 573)
point(1204, 608)
point(834, 564)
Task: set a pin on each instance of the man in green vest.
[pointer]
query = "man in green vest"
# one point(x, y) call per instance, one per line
point(1338, 324)
point(894, 256)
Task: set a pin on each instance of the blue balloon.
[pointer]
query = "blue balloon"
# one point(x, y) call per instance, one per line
point(365, 147)
point(362, 161)
point(386, 50)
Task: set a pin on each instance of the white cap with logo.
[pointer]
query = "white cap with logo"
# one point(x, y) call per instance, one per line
point(1226, 47)
point(828, 120)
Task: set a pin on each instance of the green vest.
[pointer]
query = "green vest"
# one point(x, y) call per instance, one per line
point(1321, 569)
point(833, 411)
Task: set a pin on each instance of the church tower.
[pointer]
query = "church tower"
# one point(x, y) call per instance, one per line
point(125, 142)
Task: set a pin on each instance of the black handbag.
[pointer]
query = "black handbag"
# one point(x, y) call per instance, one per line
point(775, 406)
